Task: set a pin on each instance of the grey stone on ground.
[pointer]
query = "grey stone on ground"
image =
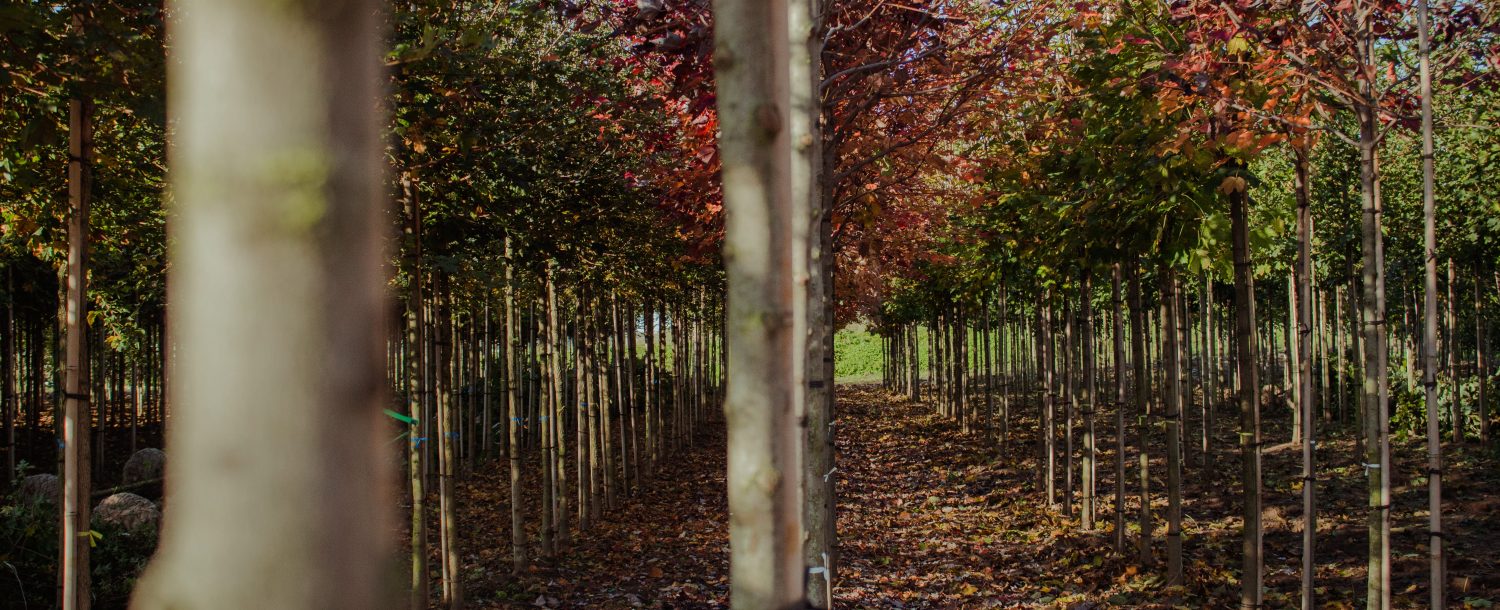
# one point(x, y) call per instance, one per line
point(127, 510)
point(145, 465)
point(43, 487)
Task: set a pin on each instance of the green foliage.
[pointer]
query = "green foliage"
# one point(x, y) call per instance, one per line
point(1409, 417)
point(28, 551)
point(856, 354)
point(514, 125)
point(118, 560)
point(116, 63)
point(28, 558)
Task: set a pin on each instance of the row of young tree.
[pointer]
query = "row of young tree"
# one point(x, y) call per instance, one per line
point(556, 314)
point(1067, 360)
point(926, 336)
point(557, 317)
point(582, 390)
point(1170, 153)
point(552, 177)
point(519, 123)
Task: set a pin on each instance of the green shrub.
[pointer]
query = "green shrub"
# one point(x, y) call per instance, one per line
point(29, 554)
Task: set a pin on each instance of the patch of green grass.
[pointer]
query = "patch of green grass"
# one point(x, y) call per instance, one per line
point(856, 354)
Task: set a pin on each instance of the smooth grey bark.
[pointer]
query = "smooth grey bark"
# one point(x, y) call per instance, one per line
point(484, 354)
point(1293, 351)
point(1321, 312)
point(582, 348)
point(1450, 353)
point(813, 388)
point(989, 371)
point(1143, 406)
point(514, 410)
point(1302, 297)
point(277, 290)
point(914, 363)
point(448, 449)
point(77, 480)
point(650, 388)
point(1372, 324)
point(1085, 295)
point(1118, 339)
point(1341, 347)
point(1251, 593)
point(1171, 310)
point(558, 462)
point(632, 405)
point(1048, 435)
point(1070, 398)
point(546, 411)
point(753, 80)
point(1210, 371)
point(1481, 365)
point(415, 333)
point(1437, 579)
point(1006, 358)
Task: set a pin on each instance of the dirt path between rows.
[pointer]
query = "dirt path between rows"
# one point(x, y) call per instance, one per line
point(930, 517)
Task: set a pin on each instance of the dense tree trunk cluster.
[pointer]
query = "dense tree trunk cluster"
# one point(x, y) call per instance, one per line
point(582, 387)
point(542, 361)
point(1175, 370)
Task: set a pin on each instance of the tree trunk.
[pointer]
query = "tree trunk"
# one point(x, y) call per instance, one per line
point(989, 372)
point(1293, 353)
point(415, 333)
point(485, 351)
point(651, 388)
point(1143, 405)
point(1210, 371)
point(914, 363)
point(1481, 366)
point(77, 475)
point(1451, 354)
point(1171, 309)
point(753, 76)
point(1437, 580)
point(812, 269)
point(1048, 434)
point(1070, 398)
point(1372, 308)
point(1184, 367)
point(448, 447)
point(557, 417)
point(582, 440)
point(278, 290)
point(960, 339)
point(1005, 358)
point(1302, 298)
point(938, 361)
point(518, 538)
point(1341, 346)
point(1117, 337)
point(619, 401)
point(1320, 352)
point(11, 398)
point(1249, 399)
point(548, 397)
point(1085, 295)
point(631, 405)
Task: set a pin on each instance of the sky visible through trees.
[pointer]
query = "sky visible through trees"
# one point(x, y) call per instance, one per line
point(761, 304)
